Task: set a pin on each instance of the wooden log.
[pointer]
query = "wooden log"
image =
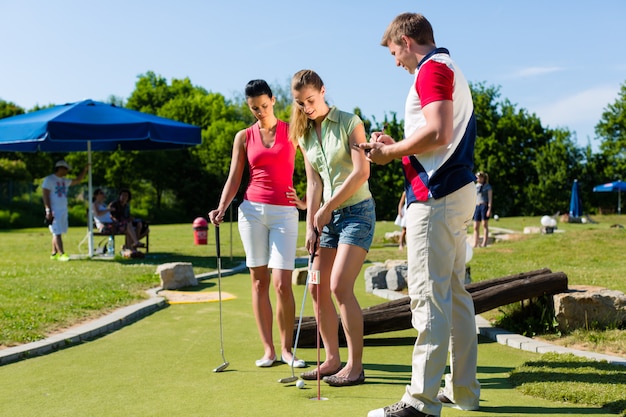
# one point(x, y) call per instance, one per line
point(396, 314)
point(477, 286)
point(513, 291)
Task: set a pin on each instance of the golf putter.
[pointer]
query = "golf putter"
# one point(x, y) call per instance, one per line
point(225, 364)
point(293, 377)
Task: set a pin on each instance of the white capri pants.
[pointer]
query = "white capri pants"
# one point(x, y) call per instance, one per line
point(269, 234)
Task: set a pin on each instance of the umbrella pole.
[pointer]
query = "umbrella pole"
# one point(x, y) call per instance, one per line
point(90, 194)
point(619, 201)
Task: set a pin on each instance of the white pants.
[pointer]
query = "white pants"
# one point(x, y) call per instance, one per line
point(269, 234)
point(442, 310)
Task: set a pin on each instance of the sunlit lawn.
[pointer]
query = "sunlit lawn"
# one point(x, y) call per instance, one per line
point(39, 296)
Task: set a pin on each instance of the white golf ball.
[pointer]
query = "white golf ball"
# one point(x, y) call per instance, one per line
point(300, 384)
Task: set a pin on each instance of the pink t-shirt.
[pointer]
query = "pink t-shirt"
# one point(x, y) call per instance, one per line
point(271, 169)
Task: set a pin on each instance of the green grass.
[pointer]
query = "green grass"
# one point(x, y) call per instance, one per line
point(590, 254)
point(574, 380)
point(38, 296)
point(161, 365)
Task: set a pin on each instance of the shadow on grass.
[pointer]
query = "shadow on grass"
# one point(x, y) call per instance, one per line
point(573, 378)
point(390, 341)
point(539, 411)
point(202, 286)
point(158, 258)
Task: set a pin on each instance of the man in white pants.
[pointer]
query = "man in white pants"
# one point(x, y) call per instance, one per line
point(437, 157)
point(55, 187)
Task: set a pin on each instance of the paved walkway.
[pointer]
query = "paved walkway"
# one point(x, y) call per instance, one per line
point(132, 313)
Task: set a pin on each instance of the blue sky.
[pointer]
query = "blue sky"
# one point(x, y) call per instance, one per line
point(562, 60)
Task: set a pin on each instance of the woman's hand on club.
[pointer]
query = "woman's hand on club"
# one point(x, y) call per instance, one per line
point(216, 217)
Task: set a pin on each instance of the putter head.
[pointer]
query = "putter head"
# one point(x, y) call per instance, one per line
point(221, 367)
point(288, 380)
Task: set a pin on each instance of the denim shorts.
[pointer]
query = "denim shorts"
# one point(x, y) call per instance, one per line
point(352, 225)
point(480, 213)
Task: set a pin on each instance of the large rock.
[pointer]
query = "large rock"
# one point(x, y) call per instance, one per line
point(586, 306)
point(396, 277)
point(176, 275)
point(298, 276)
point(393, 237)
point(375, 277)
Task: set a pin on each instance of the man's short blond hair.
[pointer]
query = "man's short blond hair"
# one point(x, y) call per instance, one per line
point(413, 25)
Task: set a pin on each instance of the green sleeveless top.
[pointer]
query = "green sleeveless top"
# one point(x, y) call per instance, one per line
point(330, 156)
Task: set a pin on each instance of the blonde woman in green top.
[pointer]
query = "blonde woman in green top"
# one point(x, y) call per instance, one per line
point(340, 207)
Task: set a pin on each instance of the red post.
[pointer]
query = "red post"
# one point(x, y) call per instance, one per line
point(200, 227)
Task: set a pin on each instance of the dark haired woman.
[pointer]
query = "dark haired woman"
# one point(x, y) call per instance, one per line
point(268, 217)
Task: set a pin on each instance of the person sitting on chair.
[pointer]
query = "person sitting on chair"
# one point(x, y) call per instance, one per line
point(105, 223)
point(120, 211)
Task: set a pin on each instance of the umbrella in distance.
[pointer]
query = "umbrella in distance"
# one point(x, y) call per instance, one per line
point(93, 126)
point(618, 186)
point(575, 203)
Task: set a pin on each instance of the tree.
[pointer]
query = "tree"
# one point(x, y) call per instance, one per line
point(612, 130)
point(8, 109)
point(189, 175)
point(509, 144)
point(386, 181)
point(531, 167)
point(558, 164)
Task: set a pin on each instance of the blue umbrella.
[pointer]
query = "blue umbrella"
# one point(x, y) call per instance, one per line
point(575, 202)
point(91, 125)
point(618, 186)
point(72, 127)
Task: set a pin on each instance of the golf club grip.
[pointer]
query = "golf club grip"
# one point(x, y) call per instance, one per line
point(312, 255)
point(217, 241)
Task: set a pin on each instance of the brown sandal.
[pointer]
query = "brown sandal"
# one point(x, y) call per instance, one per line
point(340, 381)
point(312, 375)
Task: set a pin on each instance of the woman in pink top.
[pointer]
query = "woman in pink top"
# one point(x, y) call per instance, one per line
point(268, 217)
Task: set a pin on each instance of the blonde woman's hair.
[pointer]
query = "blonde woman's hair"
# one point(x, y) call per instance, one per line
point(413, 25)
point(299, 123)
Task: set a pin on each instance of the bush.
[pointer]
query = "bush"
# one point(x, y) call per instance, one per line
point(21, 214)
point(167, 215)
